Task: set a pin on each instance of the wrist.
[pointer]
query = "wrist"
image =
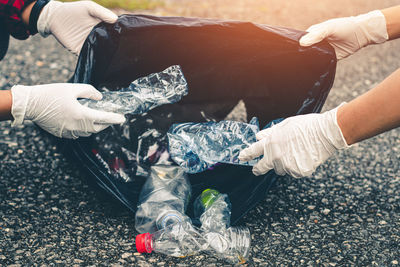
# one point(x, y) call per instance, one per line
point(334, 130)
point(26, 13)
point(392, 21)
point(345, 125)
point(34, 15)
point(31, 13)
point(5, 105)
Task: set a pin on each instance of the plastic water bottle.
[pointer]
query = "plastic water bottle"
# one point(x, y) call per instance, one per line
point(198, 146)
point(183, 239)
point(163, 199)
point(214, 211)
point(232, 245)
point(143, 94)
point(179, 239)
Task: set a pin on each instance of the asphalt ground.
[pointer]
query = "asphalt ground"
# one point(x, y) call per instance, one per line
point(347, 213)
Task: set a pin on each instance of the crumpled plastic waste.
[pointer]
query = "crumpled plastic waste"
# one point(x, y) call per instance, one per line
point(213, 209)
point(163, 199)
point(198, 146)
point(143, 94)
point(178, 240)
point(161, 218)
point(252, 63)
point(164, 227)
point(184, 239)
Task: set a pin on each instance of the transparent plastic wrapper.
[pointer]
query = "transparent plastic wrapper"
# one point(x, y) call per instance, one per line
point(163, 199)
point(198, 146)
point(223, 62)
point(143, 94)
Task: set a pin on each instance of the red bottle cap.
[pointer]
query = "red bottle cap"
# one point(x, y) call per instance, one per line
point(141, 241)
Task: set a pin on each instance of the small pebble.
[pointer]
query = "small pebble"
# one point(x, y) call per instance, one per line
point(326, 211)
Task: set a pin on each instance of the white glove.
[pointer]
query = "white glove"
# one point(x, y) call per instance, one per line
point(55, 108)
point(297, 145)
point(71, 23)
point(348, 35)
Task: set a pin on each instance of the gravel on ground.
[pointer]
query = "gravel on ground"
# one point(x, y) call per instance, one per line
point(347, 213)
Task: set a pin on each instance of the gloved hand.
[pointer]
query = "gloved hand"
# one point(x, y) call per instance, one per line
point(297, 145)
point(55, 108)
point(348, 35)
point(71, 23)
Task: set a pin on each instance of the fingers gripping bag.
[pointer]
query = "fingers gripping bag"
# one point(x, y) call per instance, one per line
point(224, 63)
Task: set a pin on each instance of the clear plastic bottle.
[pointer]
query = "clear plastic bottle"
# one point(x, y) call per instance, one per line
point(232, 244)
point(183, 239)
point(163, 199)
point(198, 146)
point(179, 239)
point(214, 210)
point(145, 93)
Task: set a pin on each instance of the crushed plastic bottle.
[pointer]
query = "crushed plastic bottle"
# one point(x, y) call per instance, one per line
point(161, 211)
point(232, 245)
point(214, 211)
point(198, 146)
point(179, 239)
point(163, 199)
point(143, 94)
point(183, 239)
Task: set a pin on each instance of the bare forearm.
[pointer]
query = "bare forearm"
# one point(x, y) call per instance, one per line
point(5, 105)
point(373, 113)
point(392, 16)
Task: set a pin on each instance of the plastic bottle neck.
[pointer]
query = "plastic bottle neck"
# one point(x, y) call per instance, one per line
point(168, 218)
point(144, 243)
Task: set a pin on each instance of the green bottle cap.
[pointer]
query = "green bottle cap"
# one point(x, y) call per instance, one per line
point(208, 197)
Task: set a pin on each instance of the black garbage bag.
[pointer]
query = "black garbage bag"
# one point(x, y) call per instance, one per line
point(223, 62)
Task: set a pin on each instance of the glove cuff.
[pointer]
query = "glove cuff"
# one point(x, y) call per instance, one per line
point(43, 22)
point(20, 96)
point(372, 27)
point(335, 134)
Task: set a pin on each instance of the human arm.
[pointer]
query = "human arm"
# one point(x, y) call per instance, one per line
point(5, 105)
point(372, 113)
point(350, 34)
point(298, 145)
point(55, 108)
point(26, 12)
point(69, 23)
point(392, 16)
